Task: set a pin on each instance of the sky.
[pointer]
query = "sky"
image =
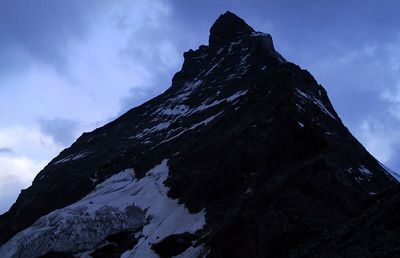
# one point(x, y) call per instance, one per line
point(70, 66)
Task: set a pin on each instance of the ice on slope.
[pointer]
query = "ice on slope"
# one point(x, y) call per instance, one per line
point(181, 111)
point(204, 122)
point(231, 98)
point(316, 101)
point(121, 202)
point(178, 110)
point(365, 171)
point(167, 216)
point(73, 157)
point(188, 88)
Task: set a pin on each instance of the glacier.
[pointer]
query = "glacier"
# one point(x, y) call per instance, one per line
point(120, 203)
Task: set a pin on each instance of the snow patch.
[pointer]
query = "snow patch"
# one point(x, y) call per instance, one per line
point(206, 106)
point(73, 157)
point(188, 88)
point(244, 60)
point(365, 171)
point(236, 95)
point(158, 127)
point(204, 122)
point(257, 34)
point(316, 102)
point(178, 110)
point(122, 202)
point(166, 215)
point(217, 102)
point(349, 170)
point(213, 67)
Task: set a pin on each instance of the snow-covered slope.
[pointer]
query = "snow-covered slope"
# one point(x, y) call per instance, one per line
point(120, 203)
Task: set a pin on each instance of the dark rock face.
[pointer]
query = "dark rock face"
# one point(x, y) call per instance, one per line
point(57, 255)
point(375, 233)
point(116, 245)
point(226, 28)
point(251, 138)
point(173, 245)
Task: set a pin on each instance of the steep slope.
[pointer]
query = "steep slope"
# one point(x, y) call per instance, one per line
point(251, 141)
point(375, 233)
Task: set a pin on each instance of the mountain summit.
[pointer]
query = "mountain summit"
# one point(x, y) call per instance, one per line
point(227, 28)
point(243, 156)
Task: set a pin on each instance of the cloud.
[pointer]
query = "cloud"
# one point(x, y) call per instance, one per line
point(6, 151)
point(65, 73)
point(63, 131)
point(31, 150)
point(16, 173)
point(10, 188)
point(41, 29)
point(29, 142)
point(380, 138)
point(129, 49)
point(394, 161)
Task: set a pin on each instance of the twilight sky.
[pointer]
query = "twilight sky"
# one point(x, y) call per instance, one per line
point(69, 66)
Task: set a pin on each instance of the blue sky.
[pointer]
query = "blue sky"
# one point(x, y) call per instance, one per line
point(70, 66)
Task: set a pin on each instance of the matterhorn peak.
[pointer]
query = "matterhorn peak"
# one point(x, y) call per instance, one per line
point(243, 156)
point(227, 27)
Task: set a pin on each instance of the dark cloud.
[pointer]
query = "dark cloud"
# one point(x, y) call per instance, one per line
point(63, 131)
point(41, 29)
point(136, 96)
point(6, 151)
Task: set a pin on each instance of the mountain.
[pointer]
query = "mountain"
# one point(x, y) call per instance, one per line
point(243, 156)
point(374, 233)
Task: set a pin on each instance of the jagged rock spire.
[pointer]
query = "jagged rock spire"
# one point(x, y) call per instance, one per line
point(228, 26)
